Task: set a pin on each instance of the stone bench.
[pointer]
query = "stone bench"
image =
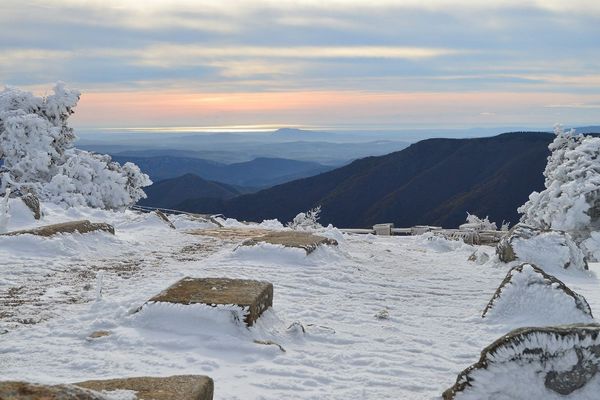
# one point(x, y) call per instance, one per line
point(254, 297)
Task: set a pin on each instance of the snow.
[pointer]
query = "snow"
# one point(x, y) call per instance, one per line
point(373, 318)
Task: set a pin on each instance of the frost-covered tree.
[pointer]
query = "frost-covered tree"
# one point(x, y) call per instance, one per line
point(37, 154)
point(479, 224)
point(571, 199)
point(306, 221)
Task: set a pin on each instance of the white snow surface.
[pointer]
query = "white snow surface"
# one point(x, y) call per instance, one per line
point(384, 317)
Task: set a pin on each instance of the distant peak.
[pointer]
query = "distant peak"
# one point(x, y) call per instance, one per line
point(284, 131)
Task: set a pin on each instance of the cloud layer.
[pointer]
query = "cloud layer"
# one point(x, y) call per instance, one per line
point(515, 62)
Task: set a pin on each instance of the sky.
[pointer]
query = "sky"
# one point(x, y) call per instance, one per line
point(337, 64)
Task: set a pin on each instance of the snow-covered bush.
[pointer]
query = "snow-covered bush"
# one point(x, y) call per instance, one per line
point(571, 200)
point(306, 221)
point(477, 224)
point(36, 149)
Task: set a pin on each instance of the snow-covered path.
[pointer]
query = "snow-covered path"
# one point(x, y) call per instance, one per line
point(394, 317)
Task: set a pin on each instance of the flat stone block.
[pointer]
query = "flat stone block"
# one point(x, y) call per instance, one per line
point(30, 391)
point(83, 226)
point(298, 239)
point(383, 229)
point(253, 296)
point(181, 387)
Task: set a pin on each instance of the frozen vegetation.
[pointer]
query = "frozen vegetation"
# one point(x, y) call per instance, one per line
point(571, 200)
point(37, 154)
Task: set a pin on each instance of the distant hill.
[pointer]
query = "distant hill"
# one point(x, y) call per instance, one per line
point(170, 192)
point(435, 181)
point(258, 173)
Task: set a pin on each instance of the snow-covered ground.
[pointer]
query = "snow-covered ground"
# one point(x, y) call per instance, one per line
point(384, 317)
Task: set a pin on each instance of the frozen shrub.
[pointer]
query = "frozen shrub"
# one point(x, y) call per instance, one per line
point(571, 200)
point(477, 224)
point(307, 220)
point(36, 149)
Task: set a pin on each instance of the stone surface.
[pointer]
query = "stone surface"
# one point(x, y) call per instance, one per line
point(563, 359)
point(182, 387)
point(298, 239)
point(525, 243)
point(162, 216)
point(83, 226)
point(253, 296)
point(99, 334)
point(29, 391)
point(547, 280)
point(33, 203)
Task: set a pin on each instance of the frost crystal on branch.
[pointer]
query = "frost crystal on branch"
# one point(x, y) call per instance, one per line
point(37, 154)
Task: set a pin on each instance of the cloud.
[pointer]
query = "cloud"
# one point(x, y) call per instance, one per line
point(574, 105)
point(169, 55)
point(549, 47)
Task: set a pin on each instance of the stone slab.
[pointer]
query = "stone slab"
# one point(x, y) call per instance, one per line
point(253, 296)
point(296, 239)
point(180, 387)
point(83, 226)
point(29, 391)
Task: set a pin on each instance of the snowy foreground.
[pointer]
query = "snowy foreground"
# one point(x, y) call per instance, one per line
point(384, 318)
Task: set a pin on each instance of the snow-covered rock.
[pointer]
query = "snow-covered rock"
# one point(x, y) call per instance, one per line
point(529, 296)
point(559, 362)
point(549, 249)
point(33, 203)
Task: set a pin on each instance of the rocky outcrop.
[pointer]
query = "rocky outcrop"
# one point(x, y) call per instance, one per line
point(83, 226)
point(528, 362)
point(298, 239)
point(547, 249)
point(253, 297)
point(33, 203)
point(528, 289)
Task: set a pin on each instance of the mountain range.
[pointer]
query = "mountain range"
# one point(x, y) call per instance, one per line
point(434, 181)
point(249, 176)
point(168, 193)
